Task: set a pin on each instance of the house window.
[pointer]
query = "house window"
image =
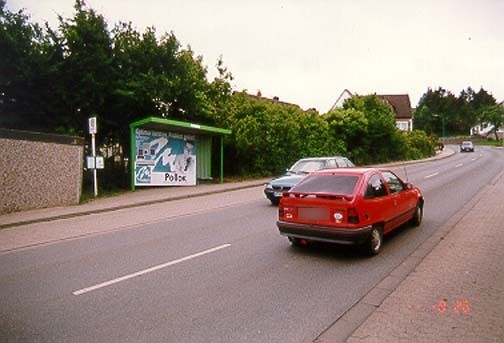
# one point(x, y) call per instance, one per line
point(402, 125)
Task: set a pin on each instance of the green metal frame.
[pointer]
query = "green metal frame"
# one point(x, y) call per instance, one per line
point(176, 126)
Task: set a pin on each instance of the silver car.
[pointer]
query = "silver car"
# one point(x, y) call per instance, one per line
point(466, 146)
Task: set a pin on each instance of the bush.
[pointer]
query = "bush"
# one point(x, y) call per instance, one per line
point(269, 136)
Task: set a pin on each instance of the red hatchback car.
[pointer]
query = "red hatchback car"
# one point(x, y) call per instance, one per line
point(348, 206)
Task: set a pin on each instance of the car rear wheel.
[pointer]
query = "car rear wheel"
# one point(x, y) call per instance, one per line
point(374, 244)
point(297, 242)
point(418, 216)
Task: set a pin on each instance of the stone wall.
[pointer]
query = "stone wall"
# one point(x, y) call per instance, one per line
point(39, 170)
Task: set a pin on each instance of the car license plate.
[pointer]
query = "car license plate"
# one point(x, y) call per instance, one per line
point(313, 213)
point(277, 194)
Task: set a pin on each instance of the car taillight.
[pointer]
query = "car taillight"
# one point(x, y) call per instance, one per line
point(353, 216)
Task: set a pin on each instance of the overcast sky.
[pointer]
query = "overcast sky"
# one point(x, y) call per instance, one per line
point(308, 51)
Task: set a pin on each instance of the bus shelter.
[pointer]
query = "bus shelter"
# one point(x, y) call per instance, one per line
point(167, 152)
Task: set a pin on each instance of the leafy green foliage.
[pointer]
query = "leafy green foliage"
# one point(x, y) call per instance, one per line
point(494, 115)
point(349, 128)
point(440, 112)
point(25, 68)
point(269, 136)
point(417, 145)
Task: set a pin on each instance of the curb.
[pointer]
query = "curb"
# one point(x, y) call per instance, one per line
point(126, 206)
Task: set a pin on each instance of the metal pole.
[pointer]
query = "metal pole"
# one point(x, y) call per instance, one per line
point(222, 159)
point(132, 160)
point(95, 180)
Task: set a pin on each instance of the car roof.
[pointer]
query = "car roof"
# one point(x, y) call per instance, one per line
point(348, 171)
point(321, 158)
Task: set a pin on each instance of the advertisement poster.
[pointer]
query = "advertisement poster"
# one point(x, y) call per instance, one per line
point(164, 159)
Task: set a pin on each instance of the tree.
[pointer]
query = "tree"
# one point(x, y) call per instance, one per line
point(440, 110)
point(381, 136)
point(25, 68)
point(85, 73)
point(269, 136)
point(219, 92)
point(481, 100)
point(494, 115)
point(349, 128)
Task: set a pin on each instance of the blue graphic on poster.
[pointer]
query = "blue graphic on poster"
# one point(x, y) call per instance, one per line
point(164, 159)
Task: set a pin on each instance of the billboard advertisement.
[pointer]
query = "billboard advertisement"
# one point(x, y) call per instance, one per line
point(164, 158)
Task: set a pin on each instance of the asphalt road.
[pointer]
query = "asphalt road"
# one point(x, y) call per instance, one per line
point(209, 269)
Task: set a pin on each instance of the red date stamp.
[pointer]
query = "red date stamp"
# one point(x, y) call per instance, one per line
point(443, 306)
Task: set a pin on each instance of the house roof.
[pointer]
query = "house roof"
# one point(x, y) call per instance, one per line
point(275, 100)
point(341, 99)
point(400, 104)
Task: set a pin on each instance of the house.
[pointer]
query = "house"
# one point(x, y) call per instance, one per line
point(275, 100)
point(346, 94)
point(399, 104)
point(487, 130)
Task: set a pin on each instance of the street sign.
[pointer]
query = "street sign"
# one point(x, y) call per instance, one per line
point(100, 162)
point(90, 162)
point(93, 127)
point(97, 162)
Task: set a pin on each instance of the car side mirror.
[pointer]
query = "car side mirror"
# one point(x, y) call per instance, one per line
point(409, 186)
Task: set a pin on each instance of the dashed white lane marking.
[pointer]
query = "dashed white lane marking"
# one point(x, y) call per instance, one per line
point(148, 270)
point(431, 175)
point(459, 165)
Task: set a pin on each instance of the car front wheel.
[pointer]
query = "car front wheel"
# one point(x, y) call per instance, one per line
point(418, 216)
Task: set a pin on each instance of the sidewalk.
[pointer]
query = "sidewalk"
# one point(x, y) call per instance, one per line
point(450, 290)
point(141, 197)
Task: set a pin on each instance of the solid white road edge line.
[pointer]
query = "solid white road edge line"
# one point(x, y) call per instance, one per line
point(149, 270)
point(431, 175)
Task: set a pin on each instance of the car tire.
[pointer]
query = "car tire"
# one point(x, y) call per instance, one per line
point(374, 244)
point(417, 218)
point(275, 202)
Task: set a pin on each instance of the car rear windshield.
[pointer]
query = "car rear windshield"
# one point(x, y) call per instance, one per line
point(327, 184)
point(307, 166)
